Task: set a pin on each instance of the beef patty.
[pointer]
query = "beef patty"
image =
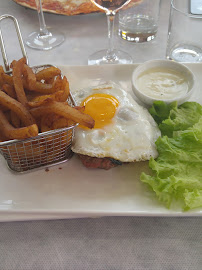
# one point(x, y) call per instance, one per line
point(101, 163)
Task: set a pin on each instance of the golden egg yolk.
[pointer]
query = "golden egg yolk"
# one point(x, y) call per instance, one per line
point(101, 107)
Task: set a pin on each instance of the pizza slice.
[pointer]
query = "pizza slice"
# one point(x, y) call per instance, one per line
point(66, 7)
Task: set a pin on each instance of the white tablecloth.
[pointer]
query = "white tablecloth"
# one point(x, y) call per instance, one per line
point(111, 243)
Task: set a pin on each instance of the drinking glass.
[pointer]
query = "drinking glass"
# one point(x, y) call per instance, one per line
point(110, 56)
point(44, 39)
point(184, 43)
point(139, 23)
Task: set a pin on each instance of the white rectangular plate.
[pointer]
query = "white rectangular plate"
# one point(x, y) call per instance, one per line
point(70, 190)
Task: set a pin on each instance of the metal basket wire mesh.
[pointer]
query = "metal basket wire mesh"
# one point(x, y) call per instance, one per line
point(48, 148)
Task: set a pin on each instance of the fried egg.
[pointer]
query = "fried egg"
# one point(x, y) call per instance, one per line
point(123, 130)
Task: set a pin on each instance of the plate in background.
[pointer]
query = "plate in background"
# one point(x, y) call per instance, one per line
point(68, 7)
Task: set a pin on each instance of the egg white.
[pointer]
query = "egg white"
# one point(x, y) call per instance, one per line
point(130, 137)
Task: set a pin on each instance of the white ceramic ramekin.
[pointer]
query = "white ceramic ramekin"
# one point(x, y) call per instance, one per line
point(164, 64)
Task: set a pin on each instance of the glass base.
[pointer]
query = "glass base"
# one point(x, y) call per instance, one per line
point(137, 28)
point(99, 58)
point(185, 53)
point(137, 37)
point(44, 42)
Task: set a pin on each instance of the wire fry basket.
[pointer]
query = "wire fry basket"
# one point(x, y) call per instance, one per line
point(46, 149)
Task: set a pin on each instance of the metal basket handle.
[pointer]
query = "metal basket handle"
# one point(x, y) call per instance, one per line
point(3, 51)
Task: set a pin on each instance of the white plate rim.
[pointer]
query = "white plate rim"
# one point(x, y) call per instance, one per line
point(38, 214)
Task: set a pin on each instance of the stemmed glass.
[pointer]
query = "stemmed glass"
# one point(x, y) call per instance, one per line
point(44, 39)
point(110, 56)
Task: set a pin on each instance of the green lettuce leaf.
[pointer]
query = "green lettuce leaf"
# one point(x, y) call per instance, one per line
point(161, 111)
point(177, 172)
point(172, 118)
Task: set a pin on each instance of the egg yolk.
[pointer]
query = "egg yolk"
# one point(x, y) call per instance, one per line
point(101, 107)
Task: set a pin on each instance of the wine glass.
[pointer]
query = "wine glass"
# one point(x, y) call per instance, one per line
point(110, 56)
point(44, 39)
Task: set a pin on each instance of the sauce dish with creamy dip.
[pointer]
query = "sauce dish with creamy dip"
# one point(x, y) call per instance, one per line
point(162, 80)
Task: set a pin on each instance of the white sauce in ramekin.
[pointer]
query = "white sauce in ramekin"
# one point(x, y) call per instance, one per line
point(162, 83)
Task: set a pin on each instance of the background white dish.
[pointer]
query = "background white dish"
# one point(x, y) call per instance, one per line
point(70, 190)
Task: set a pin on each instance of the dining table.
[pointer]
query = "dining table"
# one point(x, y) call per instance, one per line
point(116, 238)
